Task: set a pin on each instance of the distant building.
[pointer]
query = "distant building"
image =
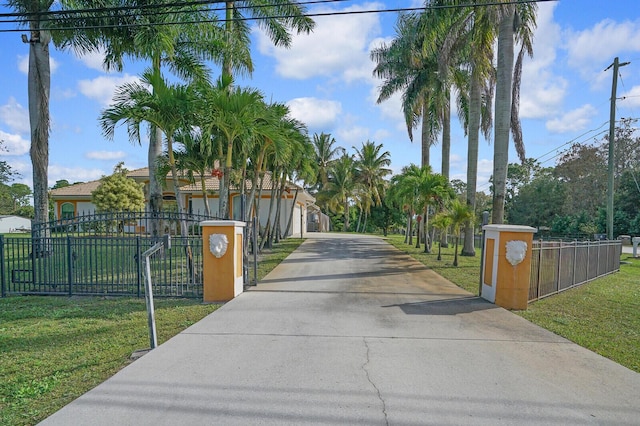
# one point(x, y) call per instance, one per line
point(14, 224)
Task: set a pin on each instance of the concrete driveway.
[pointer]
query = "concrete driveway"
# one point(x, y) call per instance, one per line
point(348, 330)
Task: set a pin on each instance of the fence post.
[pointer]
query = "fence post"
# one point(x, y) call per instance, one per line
point(3, 288)
point(575, 261)
point(540, 266)
point(138, 263)
point(69, 265)
point(559, 267)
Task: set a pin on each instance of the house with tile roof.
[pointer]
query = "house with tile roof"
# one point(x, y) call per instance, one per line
point(75, 200)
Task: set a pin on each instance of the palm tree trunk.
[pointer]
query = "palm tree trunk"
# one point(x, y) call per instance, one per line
point(346, 214)
point(207, 208)
point(426, 136)
point(39, 86)
point(293, 207)
point(410, 227)
point(502, 113)
point(446, 139)
point(468, 248)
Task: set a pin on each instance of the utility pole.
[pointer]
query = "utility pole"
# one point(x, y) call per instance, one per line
point(612, 130)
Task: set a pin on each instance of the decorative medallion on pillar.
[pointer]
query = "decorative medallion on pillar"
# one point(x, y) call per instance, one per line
point(516, 252)
point(218, 244)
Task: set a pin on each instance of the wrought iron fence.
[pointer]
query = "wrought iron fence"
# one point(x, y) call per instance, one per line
point(101, 254)
point(142, 223)
point(559, 265)
point(99, 265)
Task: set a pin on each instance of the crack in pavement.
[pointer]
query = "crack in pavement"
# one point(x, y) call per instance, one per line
point(364, 368)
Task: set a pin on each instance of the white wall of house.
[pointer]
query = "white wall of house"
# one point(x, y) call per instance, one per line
point(197, 206)
point(14, 224)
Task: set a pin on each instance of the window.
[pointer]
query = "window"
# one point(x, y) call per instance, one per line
point(67, 211)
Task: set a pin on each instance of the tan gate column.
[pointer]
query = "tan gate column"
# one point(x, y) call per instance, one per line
point(506, 271)
point(222, 259)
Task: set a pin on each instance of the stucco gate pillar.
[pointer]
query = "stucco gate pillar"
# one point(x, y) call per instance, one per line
point(506, 271)
point(222, 275)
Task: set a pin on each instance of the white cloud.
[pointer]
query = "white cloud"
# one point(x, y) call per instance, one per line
point(102, 88)
point(591, 50)
point(14, 144)
point(542, 92)
point(573, 121)
point(106, 155)
point(631, 98)
point(338, 46)
point(23, 64)
point(315, 113)
point(73, 174)
point(93, 60)
point(351, 134)
point(15, 116)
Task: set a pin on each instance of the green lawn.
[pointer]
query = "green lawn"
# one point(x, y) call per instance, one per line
point(603, 315)
point(54, 349)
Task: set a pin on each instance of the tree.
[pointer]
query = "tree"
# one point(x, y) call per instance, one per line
point(538, 202)
point(341, 187)
point(441, 222)
point(326, 153)
point(459, 213)
point(372, 167)
point(180, 36)
point(118, 193)
point(167, 107)
point(514, 20)
point(405, 68)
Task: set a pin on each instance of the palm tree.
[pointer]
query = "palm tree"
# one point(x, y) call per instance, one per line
point(325, 155)
point(342, 186)
point(180, 36)
point(514, 20)
point(196, 159)
point(402, 193)
point(442, 222)
point(38, 88)
point(168, 107)
point(372, 167)
point(404, 68)
point(459, 214)
point(237, 116)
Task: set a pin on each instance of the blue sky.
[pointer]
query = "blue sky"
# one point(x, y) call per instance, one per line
point(326, 78)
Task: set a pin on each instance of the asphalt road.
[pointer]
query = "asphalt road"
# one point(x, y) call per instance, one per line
point(348, 330)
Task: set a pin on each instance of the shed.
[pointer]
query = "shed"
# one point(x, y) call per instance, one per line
point(14, 224)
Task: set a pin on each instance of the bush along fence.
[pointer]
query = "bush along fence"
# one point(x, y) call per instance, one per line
point(559, 265)
point(101, 254)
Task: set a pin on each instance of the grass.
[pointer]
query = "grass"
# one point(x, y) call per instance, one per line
point(602, 316)
point(54, 349)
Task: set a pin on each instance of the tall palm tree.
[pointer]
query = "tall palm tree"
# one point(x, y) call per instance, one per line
point(404, 68)
point(514, 21)
point(39, 24)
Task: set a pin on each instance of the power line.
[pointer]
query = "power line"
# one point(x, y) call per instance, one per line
point(254, 18)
